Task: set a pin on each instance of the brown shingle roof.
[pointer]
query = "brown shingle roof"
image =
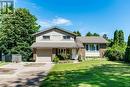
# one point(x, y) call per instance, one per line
point(91, 39)
point(56, 45)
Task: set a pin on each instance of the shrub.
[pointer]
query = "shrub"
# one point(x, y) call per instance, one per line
point(127, 55)
point(127, 52)
point(79, 58)
point(115, 53)
point(56, 59)
point(64, 56)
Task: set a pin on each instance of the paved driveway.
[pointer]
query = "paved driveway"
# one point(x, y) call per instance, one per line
point(23, 74)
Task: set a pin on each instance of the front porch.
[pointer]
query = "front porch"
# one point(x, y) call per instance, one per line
point(47, 54)
point(72, 53)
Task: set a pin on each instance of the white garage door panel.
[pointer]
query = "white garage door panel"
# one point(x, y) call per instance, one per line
point(43, 55)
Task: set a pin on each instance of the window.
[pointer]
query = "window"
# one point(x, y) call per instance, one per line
point(66, 37)
point(46, 37)
point(92, 47)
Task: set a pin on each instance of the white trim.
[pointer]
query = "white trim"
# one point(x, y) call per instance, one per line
point(92, 53)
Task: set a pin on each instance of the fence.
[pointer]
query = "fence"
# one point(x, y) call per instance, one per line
point(12, 58)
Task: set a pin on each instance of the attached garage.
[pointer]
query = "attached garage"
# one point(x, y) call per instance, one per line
point(43, 55)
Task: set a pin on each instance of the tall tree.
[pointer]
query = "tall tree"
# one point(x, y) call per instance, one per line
point(16, 33)
point(116, 37)
point(89, 34)
point(77, 33)
point(121, 38)
point(127, 53)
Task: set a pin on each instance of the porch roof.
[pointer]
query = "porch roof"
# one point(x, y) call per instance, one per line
point(56, 45)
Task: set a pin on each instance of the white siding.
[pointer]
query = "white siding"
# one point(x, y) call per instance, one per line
point(92, 54)
point(54, 36)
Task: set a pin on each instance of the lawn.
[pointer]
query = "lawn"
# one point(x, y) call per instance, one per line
point(2, 63)
point(92, 73)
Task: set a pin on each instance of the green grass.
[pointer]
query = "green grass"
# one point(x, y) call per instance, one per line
point(3, 63)
point(92, 73)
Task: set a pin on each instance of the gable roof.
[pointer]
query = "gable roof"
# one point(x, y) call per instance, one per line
point(91, 39)
point(55, 28)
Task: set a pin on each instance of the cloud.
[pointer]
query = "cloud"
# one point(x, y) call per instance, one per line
point(44, 24)
point(61, 21)
point(58, 21)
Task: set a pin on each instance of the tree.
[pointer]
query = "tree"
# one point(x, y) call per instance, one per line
point(77, 33)
point(116, 37)
point(89, 34)
point(105, 36)
point(121, 38)
point(95, 34)
point(16, 33)
point(92, 34)
point(127, 53)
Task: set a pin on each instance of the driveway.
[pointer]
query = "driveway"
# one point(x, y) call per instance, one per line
point(23, 74)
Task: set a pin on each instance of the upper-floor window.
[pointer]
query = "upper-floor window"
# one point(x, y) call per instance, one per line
point(66, 37)
point(46, 37)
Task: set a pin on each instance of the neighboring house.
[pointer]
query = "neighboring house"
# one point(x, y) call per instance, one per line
point(54, 41)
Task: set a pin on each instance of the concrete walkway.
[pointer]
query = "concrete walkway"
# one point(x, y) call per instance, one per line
point(24, 76)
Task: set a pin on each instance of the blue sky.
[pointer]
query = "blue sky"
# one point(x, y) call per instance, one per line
point(100, 16)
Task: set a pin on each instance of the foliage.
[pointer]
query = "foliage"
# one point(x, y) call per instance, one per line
point(64, 56)
point(16, 33)
point(91, 73)
point(77, 33)
point(115, 53)
point(56, 59)
point(7, 9)
point(80, 58)
point(105, 36)
point(127, 52)
point(95, 34)
point(121, 38)
point(116, 50)
point(89, 34)
point(116, 37)
point(92, 34)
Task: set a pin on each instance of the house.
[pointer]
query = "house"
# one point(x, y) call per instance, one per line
point(54, 41)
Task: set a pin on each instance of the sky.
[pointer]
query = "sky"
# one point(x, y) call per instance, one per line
point(100, 16)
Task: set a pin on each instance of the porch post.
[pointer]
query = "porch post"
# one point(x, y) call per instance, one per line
point(53, 53)
point(34, 54)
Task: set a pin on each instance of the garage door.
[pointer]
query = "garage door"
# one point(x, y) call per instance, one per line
point(43, 55)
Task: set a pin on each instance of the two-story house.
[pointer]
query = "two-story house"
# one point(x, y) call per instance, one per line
point(54, 41)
